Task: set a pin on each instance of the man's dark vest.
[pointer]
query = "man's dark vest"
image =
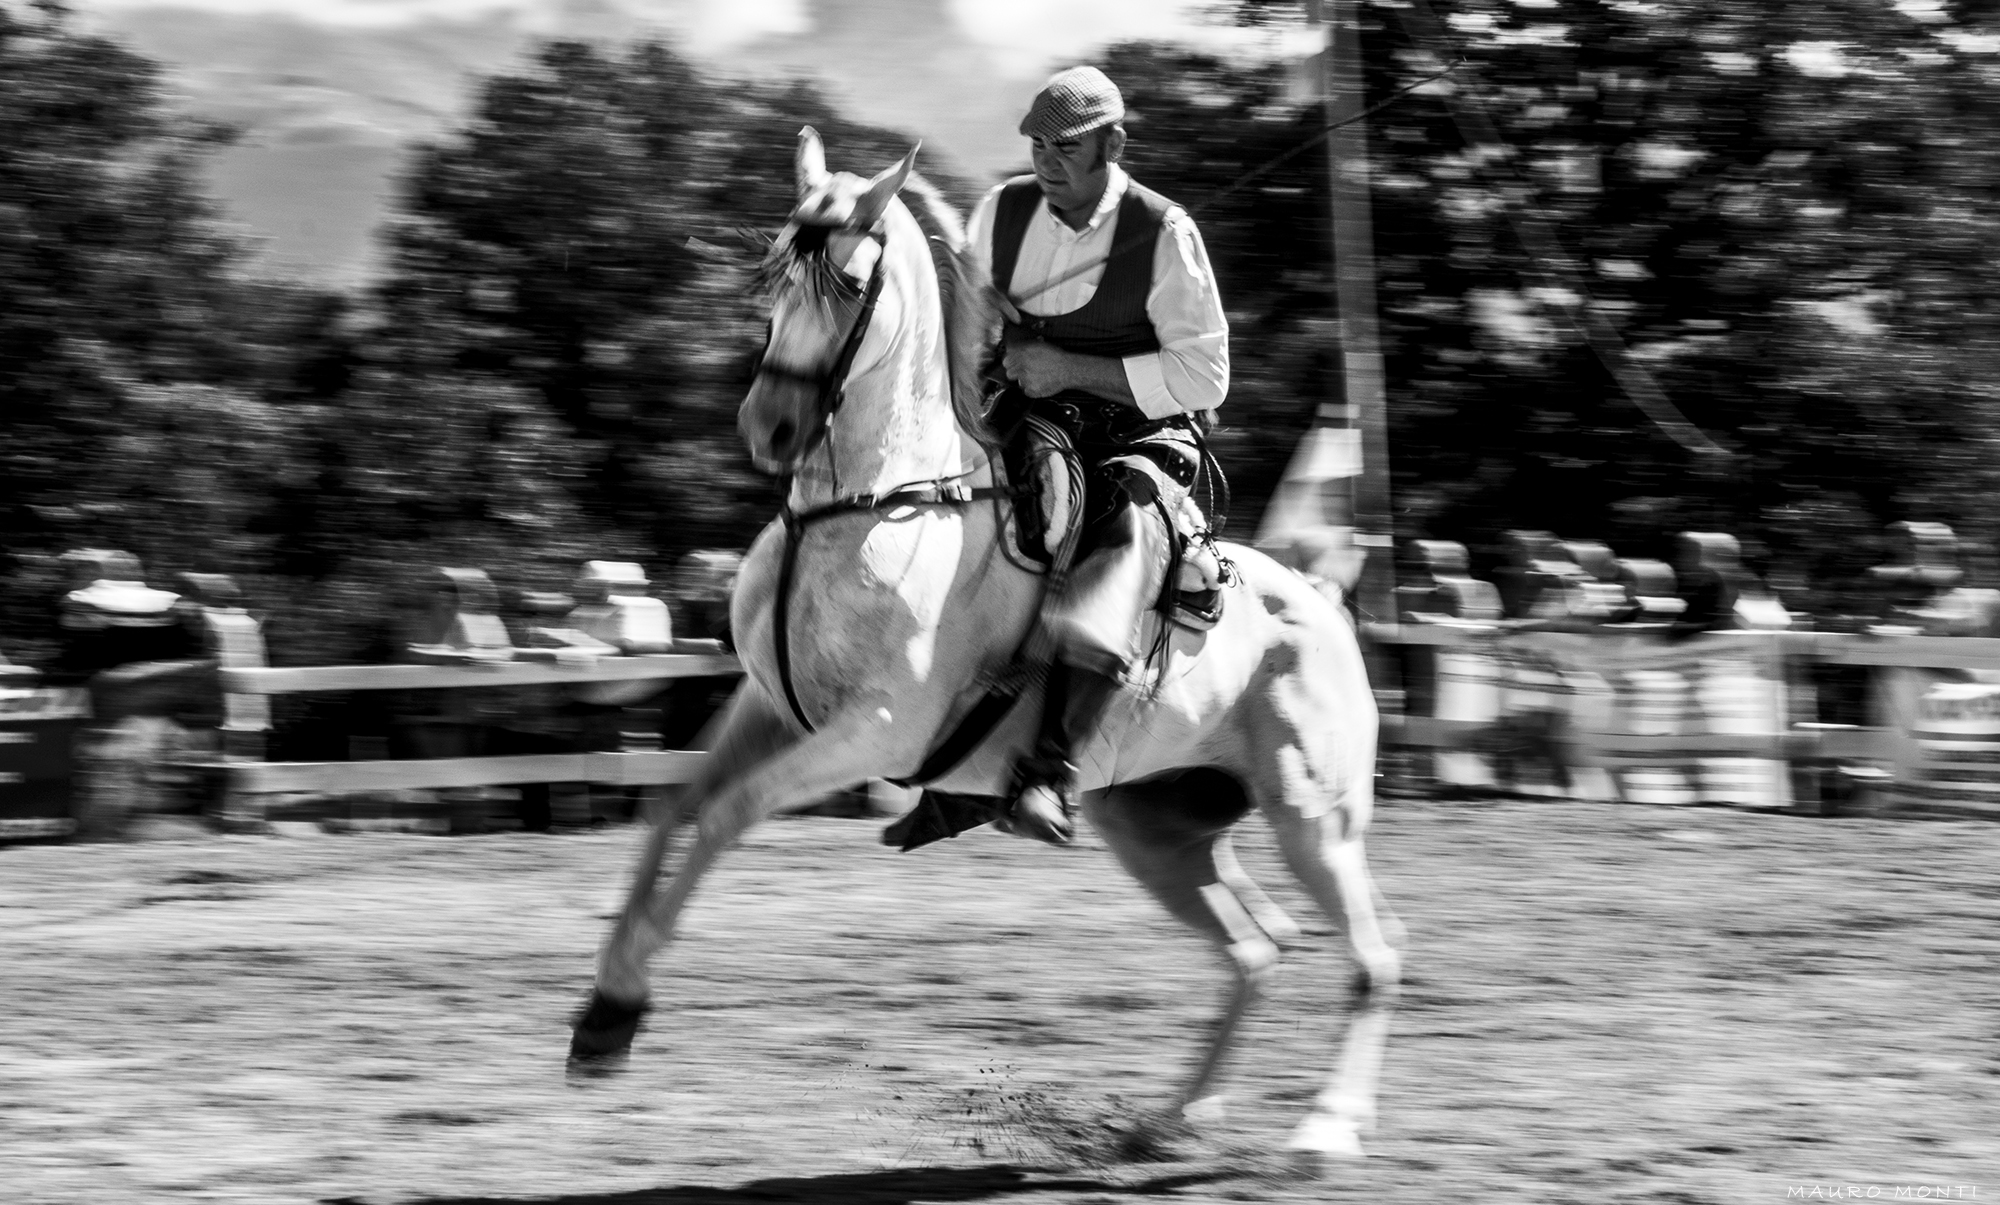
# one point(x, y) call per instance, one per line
point(1114, 321)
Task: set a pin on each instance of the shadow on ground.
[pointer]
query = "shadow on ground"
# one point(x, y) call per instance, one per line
point(903, 1186)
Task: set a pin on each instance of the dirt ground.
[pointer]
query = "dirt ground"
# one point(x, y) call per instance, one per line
point(1605, 1003)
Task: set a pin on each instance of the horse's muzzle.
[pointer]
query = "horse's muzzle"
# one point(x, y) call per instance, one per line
point(777, 431)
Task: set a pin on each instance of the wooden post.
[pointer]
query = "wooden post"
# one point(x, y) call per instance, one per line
point(1329, 517)
point(1365, 405)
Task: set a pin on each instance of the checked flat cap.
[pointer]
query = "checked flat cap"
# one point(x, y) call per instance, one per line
point(1073, 102)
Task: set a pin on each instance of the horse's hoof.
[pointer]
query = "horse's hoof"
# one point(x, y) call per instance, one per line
point(1208, 1111)
point(582, 1071)
point(1320, 1143)
point(603, 1031)
point(1154, 1137)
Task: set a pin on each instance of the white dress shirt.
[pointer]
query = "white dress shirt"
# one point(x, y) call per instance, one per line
point(1191, 369)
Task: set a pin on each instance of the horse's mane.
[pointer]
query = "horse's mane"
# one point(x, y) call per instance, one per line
point(970, 316)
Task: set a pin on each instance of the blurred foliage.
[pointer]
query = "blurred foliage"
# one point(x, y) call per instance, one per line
point(140, 380)
point(549, 373)
point(1787, 211)
point(587, 239)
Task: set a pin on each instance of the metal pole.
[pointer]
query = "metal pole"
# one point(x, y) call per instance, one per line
point(1365, 407)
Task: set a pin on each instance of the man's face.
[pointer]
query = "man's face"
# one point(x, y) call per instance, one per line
point(1073, 171)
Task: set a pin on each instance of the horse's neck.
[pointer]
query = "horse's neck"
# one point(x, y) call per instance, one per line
point(875, 450)
point(896, 427)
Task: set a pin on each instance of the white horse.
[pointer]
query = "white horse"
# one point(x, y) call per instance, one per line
point(899, 602)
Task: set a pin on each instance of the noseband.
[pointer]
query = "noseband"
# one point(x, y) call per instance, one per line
point(830, 383)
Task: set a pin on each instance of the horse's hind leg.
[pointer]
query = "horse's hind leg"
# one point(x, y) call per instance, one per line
point(1331, 865)
point(1189, 867)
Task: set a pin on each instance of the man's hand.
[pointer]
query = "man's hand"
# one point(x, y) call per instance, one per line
point(1039, 369)
point(1044, 370)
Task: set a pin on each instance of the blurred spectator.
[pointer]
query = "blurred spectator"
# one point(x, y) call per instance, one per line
point(1537, 576)
point(1438, 583)
point(1596, 595)
point(1924, 571)
point(111, 617)
point(702, 585)
point(1649, 592)
point(1720, 593)
point(1937, 584)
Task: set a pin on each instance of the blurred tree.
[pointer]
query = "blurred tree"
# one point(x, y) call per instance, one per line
point(581, 239)
point(125, 357)
point(1786, 211)
point(154, 398)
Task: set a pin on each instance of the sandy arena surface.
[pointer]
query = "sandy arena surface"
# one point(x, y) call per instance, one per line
point(1605, 1003)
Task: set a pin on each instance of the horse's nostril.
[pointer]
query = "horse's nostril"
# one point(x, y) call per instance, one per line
point(781, 437)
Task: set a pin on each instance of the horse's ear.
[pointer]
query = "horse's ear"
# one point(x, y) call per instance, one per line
point(810, 161)
point(883, 189)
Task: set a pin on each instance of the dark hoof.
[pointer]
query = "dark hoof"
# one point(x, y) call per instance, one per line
point(604, 1030)
point(581, 1073)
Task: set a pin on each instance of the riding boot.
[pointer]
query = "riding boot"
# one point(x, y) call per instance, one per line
point(1044, 804)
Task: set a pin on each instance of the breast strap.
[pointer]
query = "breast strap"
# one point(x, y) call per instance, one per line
point(942, 492)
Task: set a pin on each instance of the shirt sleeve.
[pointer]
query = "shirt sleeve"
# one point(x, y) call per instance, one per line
point(1191, 369)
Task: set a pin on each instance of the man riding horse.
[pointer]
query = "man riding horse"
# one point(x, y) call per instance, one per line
point(883, 596)
point(1116, 334)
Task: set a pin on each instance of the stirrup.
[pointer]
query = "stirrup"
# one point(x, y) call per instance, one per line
point(1042, 776)
point(1036, 823)
point(1198, 609)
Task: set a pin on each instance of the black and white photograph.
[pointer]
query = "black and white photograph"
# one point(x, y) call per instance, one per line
point(1030, 602)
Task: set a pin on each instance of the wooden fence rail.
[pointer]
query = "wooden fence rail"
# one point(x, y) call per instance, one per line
point(249, 784)
point(304, 679)
point(1613, 711)
point(1592, 732)
point(1617, 699)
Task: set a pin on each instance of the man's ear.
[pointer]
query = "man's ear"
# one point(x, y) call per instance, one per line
point(1114, 144)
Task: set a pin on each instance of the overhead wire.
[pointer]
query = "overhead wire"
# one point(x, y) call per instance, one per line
point(1318, 136)
point(1543, 249)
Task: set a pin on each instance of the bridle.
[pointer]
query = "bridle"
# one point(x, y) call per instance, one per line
point(830, 383)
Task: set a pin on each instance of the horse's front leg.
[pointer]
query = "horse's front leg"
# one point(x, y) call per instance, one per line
point(746, 735)
point(758, 764)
